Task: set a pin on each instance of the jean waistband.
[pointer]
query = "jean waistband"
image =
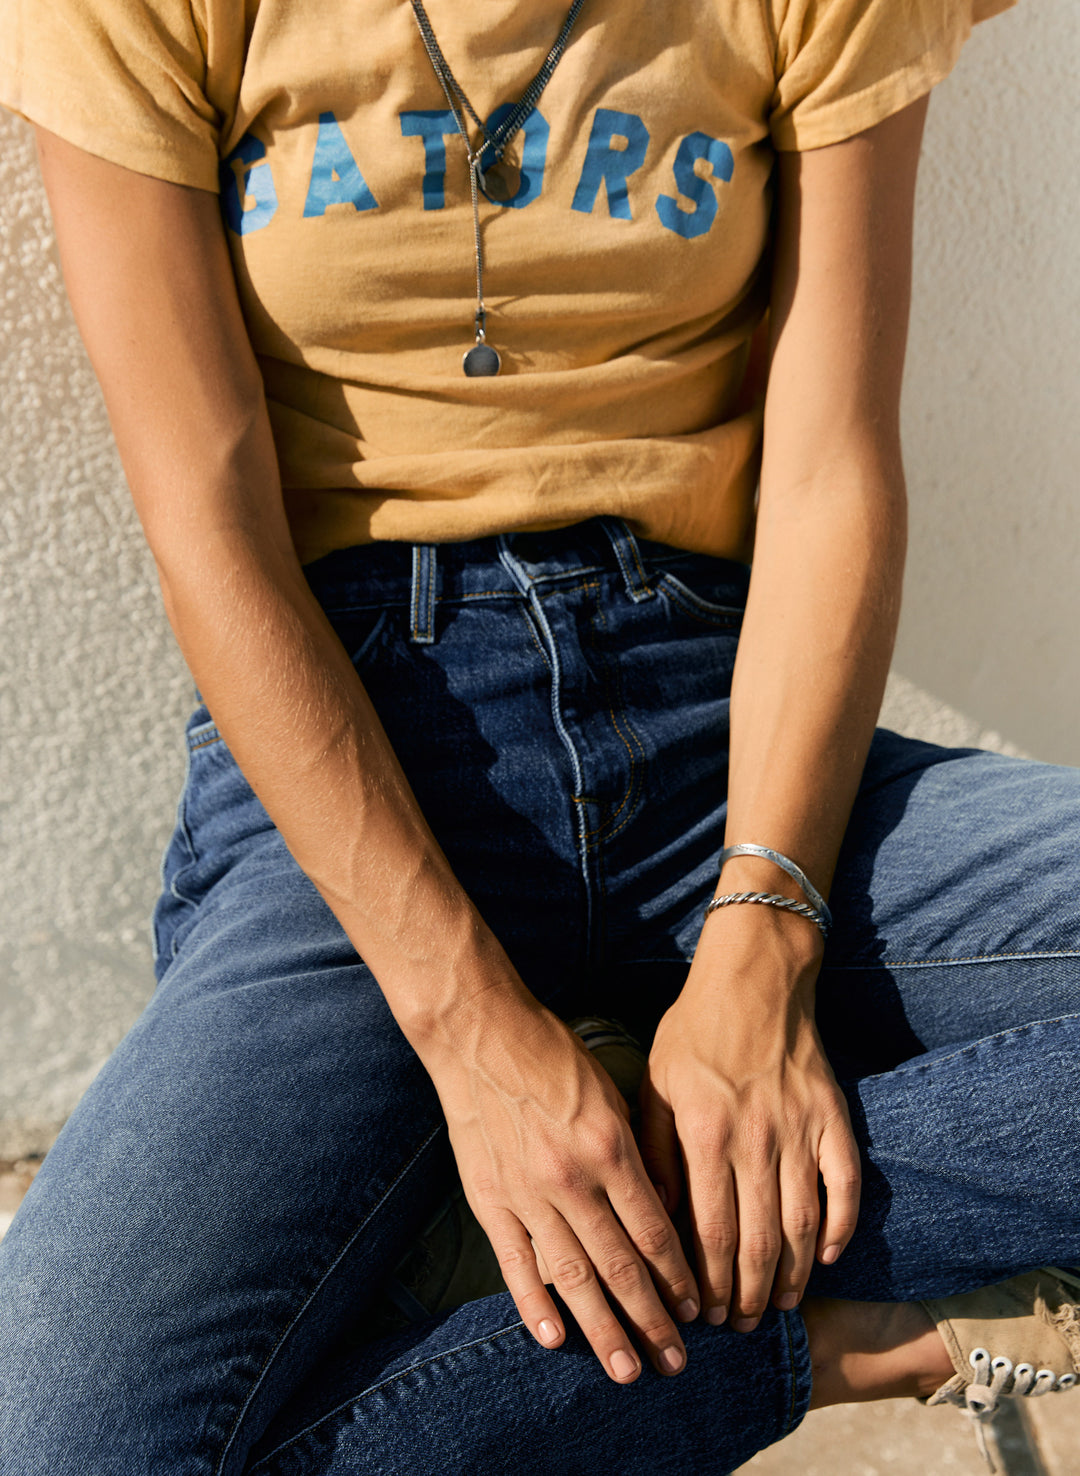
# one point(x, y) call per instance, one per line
point(420, 576)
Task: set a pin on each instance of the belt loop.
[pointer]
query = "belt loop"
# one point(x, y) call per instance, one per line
point(422, 602)
point(630, 562)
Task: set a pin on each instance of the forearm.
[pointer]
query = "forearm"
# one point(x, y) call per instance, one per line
point(154, 295)
point(813, 658)
point(296, 718)
point(825, 593)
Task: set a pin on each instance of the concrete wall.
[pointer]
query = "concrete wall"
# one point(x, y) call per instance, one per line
point(93, 692)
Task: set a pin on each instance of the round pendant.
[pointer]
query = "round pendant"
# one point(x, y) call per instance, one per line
point(481, 361)
point(501, 182)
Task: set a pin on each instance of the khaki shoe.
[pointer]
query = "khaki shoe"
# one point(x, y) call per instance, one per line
point(1017, 1338)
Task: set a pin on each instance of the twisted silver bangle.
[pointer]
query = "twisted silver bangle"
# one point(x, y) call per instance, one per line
point(772, 899)
point(785, 863)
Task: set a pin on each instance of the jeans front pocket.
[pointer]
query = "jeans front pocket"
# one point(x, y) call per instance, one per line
point(706, 589)
point(217, 816)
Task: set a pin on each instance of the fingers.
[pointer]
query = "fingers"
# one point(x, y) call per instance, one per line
point(799, 1216)
point(714, 1221)
point(659, 1144)
point(594, 1269)
point(842, 1173)
point(656, 1241)
point(755, 1222)
point(518, 1263)
point(757, 1195)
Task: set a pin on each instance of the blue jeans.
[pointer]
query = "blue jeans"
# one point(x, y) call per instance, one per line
point(182, 1289)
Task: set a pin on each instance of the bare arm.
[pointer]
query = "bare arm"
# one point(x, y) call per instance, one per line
point(539, 1132)
point(741, 1096)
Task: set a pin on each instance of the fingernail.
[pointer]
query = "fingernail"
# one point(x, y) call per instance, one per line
point(548, 1331)
point(787, 1301)
point(716, 1315)
point(661, 1194)
point(622, 1365)
point(744, 1324)
point(830, 1254)
point(687, 1311)
point(672, 1360)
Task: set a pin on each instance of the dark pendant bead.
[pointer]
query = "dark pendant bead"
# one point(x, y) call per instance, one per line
point(501, 182)
point(481, 361)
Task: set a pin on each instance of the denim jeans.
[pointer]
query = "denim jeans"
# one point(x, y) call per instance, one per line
point(184, 1287)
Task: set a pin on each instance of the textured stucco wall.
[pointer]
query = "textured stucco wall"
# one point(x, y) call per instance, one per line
point(92, 688)
point(992, 404)
point(93, 691)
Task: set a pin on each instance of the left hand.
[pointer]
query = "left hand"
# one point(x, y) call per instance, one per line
point(741, 1106)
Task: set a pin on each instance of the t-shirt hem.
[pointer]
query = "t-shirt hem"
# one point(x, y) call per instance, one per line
point(984, 9)
point(19, 96)
point(851, 115)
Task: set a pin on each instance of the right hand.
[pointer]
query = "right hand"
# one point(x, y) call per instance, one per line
point(551, 1170)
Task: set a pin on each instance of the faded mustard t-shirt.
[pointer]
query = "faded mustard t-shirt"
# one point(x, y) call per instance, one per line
point(623, 282)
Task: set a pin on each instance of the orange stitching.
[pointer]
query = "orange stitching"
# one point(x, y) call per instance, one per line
point(637, 558)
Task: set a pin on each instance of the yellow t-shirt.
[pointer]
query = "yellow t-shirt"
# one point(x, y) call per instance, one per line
point(623, 283)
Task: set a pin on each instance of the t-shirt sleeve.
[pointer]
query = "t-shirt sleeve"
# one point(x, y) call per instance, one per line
point(124, 79)
point(844, 65)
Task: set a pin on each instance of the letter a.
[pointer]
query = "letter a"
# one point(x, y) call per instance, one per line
point(335, 174)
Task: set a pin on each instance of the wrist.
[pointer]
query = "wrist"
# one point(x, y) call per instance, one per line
point(749, 945)
point(477, 1006)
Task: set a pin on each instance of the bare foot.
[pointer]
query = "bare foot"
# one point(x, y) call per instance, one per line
point(872, 1350)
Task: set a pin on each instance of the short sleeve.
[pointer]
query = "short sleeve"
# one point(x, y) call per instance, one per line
point(844, 65)
point(124, 79)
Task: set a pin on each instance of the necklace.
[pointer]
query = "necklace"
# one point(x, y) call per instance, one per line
point(488, 171)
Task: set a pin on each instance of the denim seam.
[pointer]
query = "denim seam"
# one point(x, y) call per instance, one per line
point(702, 611)
point(636, 555)
point(908, 1068)
point(181, 826)
point(393, 1379)
point(531, 628)
point(414, 593)
point(536, 611)
point(406, 1168)
point(564, 574)
point(608, 830)
point(185, 830)
point(949, 963)
point(624, 543)
point(556, 687)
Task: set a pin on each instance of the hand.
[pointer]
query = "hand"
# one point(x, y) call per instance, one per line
point(740, 1102)
point(551, 1170)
